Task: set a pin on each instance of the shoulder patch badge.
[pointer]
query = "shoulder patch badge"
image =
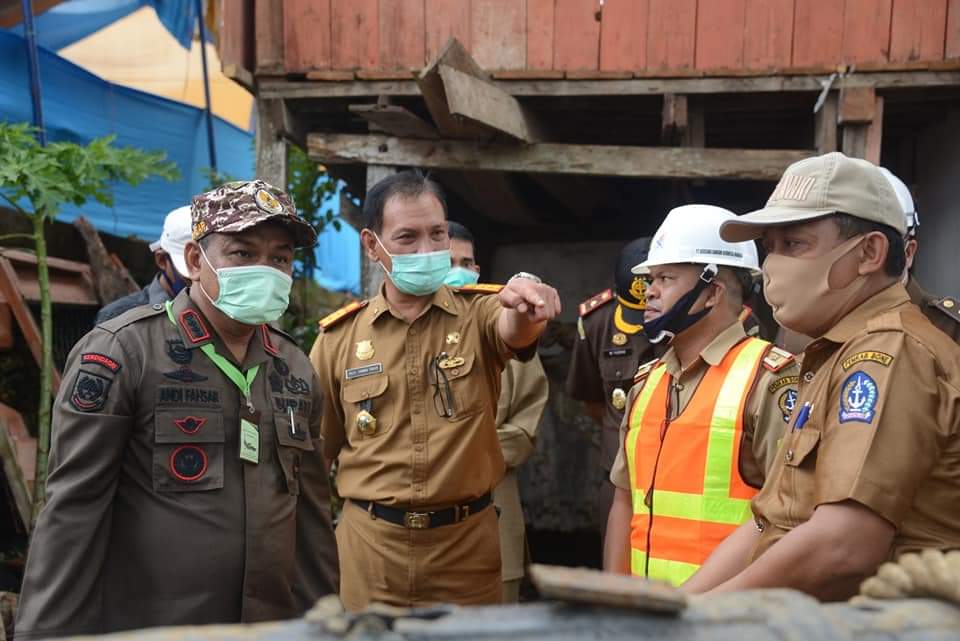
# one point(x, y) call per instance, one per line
point(644, 370)
point(341, 314)
point(877, 357)
point(949, 306)
point(787, 402)
point(90, 391)
point(100, 359)
point(776, 359)
point(783, 382)
point(479, 288)
point(858, 398)
point(193, 326)
point(592, 304)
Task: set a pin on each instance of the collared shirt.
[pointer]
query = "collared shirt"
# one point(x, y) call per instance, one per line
point(405, 374)
point(150, 295)
point(765, 413)
point(946, 320)
point(604, 360)
point(151, 516)
point(883, 428)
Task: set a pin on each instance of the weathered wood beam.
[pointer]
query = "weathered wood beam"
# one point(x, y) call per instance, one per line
point(825, 125)
point(610, 160)
point(271, 88)
point(673, 125)
point(861, 116)
point(270, 145)
point(395, 120)
point(482, 103)
point(431, 86)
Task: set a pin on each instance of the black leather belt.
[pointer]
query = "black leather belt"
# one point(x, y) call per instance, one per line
point(424, 520)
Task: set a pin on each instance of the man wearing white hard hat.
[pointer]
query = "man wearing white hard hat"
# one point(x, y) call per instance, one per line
point(703, 422)
point(943, 311)
point(172, 268)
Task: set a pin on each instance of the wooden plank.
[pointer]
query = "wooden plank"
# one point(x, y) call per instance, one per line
point(431, 86)
point(593, 587)
point(355, 34)
point(306, 32)
point(541, 15)
point(28, 326)
point(875, 134)
point(952, 47)
point(720, 34)
point(612, 160)
point(18, 455)
point(386, 74)
point(529, 74)
point(236, 44)
point(857, 105)
point(576, 35)
point(478, 101)
point(866, 31)
point(623, 35)
point(269, 32)
point(270, 146)
point(918, 30)
point(446, 19)
point(671, 34)
point(395, 120)
point(825, 125)
point(768, 42)
point(331, 75)
point(673, 125)
point(498, 33)
point(593, 74)
point(817, 33)
point(402, 34)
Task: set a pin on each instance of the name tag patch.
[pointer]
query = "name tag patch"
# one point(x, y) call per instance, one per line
point(860, 357)
point(188, 395)
point(366, 370)
point(623, 351)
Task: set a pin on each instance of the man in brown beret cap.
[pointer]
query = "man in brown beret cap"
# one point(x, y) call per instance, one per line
point(187, 484)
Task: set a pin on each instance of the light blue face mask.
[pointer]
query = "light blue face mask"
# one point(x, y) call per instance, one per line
point(461, 277)
point(417, 274)
point(251, 295)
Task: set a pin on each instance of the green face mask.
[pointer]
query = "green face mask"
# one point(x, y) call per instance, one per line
point(251, 295)
point(417, 274)
point(460, 277)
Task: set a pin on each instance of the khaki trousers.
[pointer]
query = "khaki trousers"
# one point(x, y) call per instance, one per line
point(388, 563)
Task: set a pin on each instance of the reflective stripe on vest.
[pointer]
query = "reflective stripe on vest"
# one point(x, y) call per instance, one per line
point(692, 511)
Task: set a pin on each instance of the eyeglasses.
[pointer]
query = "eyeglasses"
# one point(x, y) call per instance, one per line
point(442, 394)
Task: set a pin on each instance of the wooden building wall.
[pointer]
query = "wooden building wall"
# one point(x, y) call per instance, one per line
point(343, 39)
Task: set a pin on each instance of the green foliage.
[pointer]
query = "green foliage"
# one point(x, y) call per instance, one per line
point(68, 173)
point(215, 178)
point(310, 187)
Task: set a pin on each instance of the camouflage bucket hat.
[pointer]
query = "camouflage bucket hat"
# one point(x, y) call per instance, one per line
point(238, 206)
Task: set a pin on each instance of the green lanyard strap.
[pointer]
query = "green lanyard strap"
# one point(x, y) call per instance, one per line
point(244, 382)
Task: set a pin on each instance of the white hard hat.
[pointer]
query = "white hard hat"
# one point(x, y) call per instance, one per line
point(903, 195)
point(176, 234)
point(691, 234)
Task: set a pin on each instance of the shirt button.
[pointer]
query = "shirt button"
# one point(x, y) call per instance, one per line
point(417, 448)
point(416, 410)
point(808, 377)
point(789, 455)
point(157, 306)
point(412, 332)
point(365, 395)
point(455, 372)
point(759, 525)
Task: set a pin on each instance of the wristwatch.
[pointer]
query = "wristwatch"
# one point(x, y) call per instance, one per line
point(526, 275)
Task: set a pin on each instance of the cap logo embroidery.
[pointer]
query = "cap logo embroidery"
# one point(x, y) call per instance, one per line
point(638, 290)
point(793, 187)
point(267, 202)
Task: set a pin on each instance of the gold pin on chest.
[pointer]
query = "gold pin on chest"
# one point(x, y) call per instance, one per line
point(453, 338)
point(365, 350)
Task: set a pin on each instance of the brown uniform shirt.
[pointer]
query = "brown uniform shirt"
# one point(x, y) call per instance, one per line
point(378, 362)
point(126, 540)
point(883, 430)
point(601, 365)
point(943, 311)
point(766, 411)
point(523, 395)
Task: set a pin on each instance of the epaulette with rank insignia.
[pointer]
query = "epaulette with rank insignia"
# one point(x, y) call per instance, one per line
point(644, 370)
point(344, 312)
point(593, 304)
point(949, 306)
point(479, 288)
point(776, 359)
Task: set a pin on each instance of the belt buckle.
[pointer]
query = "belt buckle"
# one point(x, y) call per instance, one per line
point(416, 520)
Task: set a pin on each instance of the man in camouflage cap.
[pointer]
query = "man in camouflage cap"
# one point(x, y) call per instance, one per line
point(187, 484)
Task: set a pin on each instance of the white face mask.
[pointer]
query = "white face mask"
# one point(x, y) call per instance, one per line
point(252, 294)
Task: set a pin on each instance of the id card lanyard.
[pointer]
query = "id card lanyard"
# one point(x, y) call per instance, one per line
point(249, 416)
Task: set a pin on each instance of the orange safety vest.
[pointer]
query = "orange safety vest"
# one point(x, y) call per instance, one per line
point(687, 469)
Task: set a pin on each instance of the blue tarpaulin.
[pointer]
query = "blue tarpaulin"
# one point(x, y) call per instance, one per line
point(73, 20)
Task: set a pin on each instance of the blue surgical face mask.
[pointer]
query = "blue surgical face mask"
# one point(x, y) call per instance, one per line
point(417, 274)
point(252, 294)
point(461, 277)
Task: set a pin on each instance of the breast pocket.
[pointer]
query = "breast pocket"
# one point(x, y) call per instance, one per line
point(617, 365)
point(800, 461)
point(463, 376)
point(188, 450)
point(293, 442)
point(364, 400)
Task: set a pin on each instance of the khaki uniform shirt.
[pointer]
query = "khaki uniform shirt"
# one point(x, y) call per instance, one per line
point(765, 413)
point(523, 396)
point(605, 359)
point(883, 429)
point(377, 361)
point(151, 517)
point(943, 312)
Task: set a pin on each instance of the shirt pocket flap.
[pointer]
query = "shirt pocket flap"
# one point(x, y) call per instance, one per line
point(188, 425)
point(455, 367)
point(361, 389)
point(617, 368)
point(296, 435)
point(802, 446)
